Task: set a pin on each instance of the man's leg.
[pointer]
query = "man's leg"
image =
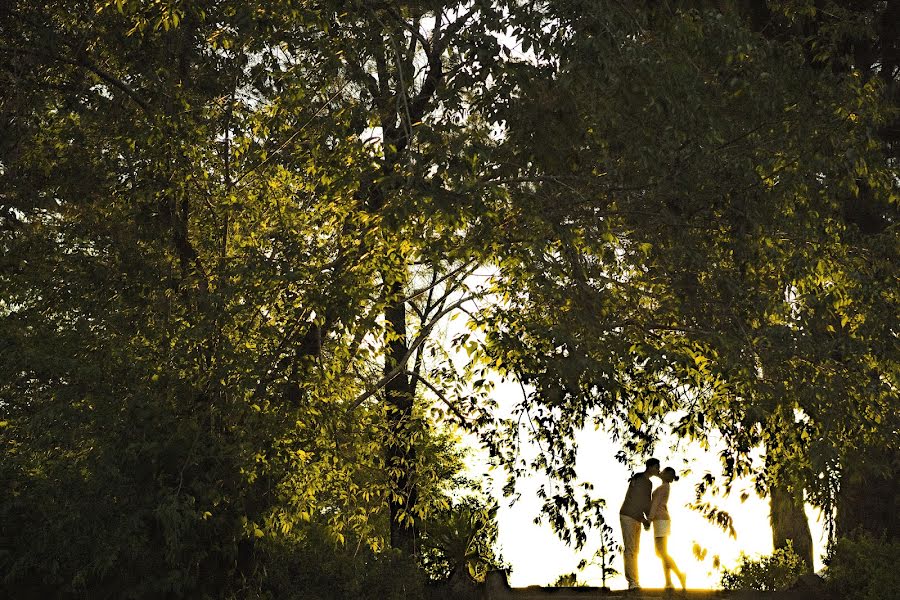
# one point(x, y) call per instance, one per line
point(631, 540)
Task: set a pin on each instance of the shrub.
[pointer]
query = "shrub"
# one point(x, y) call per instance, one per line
point(775, 572)
point(461, 538)
point(568, 580)
point(313, 568)
point(862, 567)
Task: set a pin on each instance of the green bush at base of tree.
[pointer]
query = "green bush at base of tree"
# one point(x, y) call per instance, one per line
point(863, 568)
point(319, 572)
point(772, 573)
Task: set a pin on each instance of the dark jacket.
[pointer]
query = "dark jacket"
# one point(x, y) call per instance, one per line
point(637, 498)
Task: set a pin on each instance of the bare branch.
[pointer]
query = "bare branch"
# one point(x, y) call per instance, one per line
point(440, 396)
point(401, 364)
point(84, 64)
point(435, 282)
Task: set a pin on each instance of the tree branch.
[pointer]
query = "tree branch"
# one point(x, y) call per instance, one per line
point(401, 364)
point(416, 33)
point(435, 282)
point(440, 395)
point(84, 64)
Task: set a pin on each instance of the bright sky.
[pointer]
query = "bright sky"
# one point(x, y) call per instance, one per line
point(538, 557)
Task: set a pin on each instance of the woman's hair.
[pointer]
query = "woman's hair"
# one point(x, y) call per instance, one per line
point(671, 471)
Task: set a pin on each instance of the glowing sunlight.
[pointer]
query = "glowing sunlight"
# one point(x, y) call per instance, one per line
point(537, 557)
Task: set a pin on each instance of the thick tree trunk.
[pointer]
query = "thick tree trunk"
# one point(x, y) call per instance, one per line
point(789, 523)
point(401, 454)
point(786, 507)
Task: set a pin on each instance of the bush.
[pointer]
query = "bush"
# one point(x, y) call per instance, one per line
point(315, 569)
point(461, 540)
point(568, 580)
point(772, 573)
point(862, 568)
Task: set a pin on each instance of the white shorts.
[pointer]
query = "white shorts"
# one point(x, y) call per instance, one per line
point(661, 528)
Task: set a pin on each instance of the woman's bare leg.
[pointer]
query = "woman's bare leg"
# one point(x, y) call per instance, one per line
point(669, 565)
point(663, 553)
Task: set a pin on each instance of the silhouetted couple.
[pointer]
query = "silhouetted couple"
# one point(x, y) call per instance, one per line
point(643, 505)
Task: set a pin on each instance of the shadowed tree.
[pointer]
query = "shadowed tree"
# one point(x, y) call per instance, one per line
point(690, 230)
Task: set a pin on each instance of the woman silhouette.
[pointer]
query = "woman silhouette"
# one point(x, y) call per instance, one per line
point(659, 515)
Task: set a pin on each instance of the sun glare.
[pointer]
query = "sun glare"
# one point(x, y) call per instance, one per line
point(701, 549)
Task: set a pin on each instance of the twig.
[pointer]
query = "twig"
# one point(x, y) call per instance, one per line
point(401, 364)
point(440, 395)
point(291, 137)
point(84, 64)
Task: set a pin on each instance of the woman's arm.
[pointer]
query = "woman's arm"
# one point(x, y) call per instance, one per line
point(656, 500)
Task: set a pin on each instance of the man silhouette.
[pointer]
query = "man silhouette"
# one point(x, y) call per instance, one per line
point(635, 512)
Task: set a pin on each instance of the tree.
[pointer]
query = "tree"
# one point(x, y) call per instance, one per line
point(214, 221)
point(417, 75)
point(861, 40)
point(162, 318)
point(604, 555)
point(689, 231)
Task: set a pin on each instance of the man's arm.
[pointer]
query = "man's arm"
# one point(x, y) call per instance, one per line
point(645, 494)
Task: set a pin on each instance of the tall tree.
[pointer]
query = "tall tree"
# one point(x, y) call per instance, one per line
point(217, 222)
point(859, 39)
point(419, 77)
point(690, 232)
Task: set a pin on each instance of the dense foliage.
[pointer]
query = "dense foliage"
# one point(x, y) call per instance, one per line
point(231, 232)
point(202, 237)
point(711, 214)
point(862, 567)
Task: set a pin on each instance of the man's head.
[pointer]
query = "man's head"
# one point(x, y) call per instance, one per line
point(652, 466)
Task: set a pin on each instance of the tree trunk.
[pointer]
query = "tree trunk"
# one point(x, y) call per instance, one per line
point(789, 523)
point(401, 454)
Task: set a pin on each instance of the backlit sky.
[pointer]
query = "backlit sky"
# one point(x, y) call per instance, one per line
point(537, 557)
